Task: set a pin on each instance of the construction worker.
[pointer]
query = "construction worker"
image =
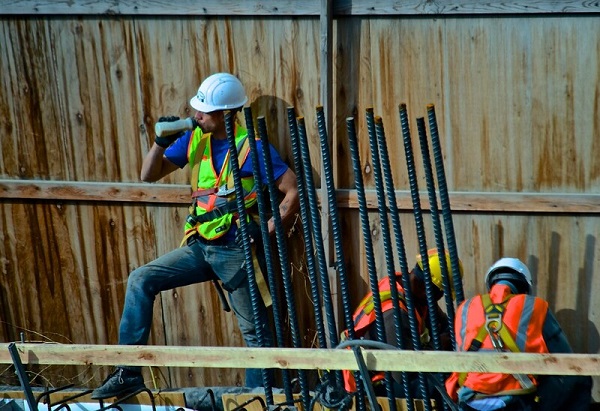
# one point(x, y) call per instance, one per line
point(510, 319)
point(209, 251)
point(364, 318)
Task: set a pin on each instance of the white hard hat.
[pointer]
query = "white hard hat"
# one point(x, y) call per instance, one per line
point(509, 269)
point(220, 91)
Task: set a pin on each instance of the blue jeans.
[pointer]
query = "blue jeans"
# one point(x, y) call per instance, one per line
point(193, 263)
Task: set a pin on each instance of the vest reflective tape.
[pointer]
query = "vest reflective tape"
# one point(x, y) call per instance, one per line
point(364, 316)
point(212, 193)
point(523, 319)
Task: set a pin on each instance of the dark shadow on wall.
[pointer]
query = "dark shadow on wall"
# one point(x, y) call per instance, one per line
point(577, 321)
point(274, 111)
point(582, 333)
point(349, 70)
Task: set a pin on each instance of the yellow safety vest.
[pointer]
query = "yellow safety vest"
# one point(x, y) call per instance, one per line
point(214, 202)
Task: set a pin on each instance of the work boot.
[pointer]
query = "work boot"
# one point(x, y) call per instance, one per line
point(119, 383)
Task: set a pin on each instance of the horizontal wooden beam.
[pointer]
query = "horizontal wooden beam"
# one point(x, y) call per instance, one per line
point(188, 8)
point(470, 202)
point(303, 358)
point(488, 202)
point(93, 191)
point(462, 7)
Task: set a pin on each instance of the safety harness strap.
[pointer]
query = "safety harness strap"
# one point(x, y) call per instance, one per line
point(197, 160)
point(212, 214)
point(501, 338)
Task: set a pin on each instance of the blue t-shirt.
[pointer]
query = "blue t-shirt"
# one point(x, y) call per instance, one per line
point(177, 154)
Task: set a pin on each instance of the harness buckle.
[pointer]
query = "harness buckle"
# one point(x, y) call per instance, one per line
point(224, 191)
point(493, 324)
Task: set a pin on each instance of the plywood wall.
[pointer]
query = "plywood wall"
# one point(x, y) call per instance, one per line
point(516, 97)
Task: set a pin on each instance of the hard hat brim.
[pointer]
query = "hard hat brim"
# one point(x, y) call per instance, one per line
point(207, 108)
point(200, 106)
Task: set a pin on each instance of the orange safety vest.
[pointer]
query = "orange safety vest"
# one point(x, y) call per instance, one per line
point(521, 315)
point(364, 316)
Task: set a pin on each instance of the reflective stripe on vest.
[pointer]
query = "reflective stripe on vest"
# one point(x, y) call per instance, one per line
point(221, 181)
point(523, 317)
point(364, 316)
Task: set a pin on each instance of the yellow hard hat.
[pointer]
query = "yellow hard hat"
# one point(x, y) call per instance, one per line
point(436, 270)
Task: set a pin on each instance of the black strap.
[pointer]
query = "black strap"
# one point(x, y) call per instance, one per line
point(213, 214)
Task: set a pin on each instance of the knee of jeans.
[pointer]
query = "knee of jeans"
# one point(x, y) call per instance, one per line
point(138, 280)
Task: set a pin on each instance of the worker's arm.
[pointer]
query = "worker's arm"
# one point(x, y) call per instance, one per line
point(290, 203)
point(156, 165)
point(554, 336)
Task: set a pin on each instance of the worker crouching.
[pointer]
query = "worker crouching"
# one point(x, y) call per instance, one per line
point(510, 319)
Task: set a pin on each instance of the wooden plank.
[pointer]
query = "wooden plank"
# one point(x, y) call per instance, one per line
point(92, 191)
point(496, 202)
point(326, 101)
point(163, 7)
point(291, 7)
point(493, 202)
point(416, 7)
point(304, 358)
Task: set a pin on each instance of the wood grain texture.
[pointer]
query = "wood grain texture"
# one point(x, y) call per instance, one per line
point(177, 194)
point(299, 358)
point(291, 8)
point(517, 106)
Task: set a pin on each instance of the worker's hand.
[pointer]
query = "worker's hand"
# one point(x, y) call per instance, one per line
point(254, 232)
point(166, 141)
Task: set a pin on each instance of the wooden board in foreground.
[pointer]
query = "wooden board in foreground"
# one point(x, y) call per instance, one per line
point(305, 358)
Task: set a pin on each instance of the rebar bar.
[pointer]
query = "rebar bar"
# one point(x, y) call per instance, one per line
point(387, 246)
point(445, 204)
point(414, 190)
point(255, 297)
point(318, 237)
point(282, 249)
point(437, 228)
point(265, 243)
point(305, 218)
point(334, 215)
point(364, 218)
